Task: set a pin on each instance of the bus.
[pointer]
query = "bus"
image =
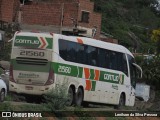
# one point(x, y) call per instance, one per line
point(94, 71)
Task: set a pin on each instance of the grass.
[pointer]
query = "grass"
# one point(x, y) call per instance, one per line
point(6, 106)
point(116, 118)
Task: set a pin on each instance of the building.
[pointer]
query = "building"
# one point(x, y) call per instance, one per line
point(60, 16)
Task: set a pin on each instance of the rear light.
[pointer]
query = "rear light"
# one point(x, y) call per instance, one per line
point(51, 34)
point(50, 78)
point(11, 74)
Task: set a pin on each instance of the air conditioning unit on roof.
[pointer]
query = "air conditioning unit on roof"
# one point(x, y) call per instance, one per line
point(87, 32)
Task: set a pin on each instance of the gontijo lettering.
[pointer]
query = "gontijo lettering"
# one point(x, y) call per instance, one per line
point(34, 42)
point(111, 77)
point(27, 41)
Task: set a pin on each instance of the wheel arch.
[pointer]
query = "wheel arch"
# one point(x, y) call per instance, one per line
point(81, 87)
point(124, 94)
point(73, 88)
point(4, 89)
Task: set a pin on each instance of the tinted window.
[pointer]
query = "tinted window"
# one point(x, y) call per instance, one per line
point(71, 51)
point(63, 49)
point(81, 54)
point(89, 55)
point(102, 61)
point(113, 60)
point(124, 65)
point(67, 50)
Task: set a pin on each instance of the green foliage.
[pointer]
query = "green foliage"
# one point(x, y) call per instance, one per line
point(6, 107)
point(156, 38)
point(5, 52)
point(116, 118)
point(1, 71)
point(151, 70)
point(57, 98)
point(120, 17)
point(31, 107)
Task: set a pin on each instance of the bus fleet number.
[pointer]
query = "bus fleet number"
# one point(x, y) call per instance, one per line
point(64, 69)
point(32, 53)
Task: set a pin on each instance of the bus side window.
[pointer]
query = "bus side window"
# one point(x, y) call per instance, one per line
point(67, 50)
point(71, 51)
point(63, 48)
point(124, 63)
point(108, 61)
point(102, 61)
point(92, 55)
point(81, 58)
point(113, 60)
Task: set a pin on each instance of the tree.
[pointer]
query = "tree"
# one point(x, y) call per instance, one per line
point(156, 38)
point(120, 17)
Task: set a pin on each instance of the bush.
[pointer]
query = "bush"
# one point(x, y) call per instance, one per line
point(56, 99)
point(151, 71)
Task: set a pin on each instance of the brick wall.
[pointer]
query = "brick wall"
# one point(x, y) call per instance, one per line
point(70, 14)
point(8, 10)
point(111, 40)
point(49, 14)
point(58, 1)
point(43, 14)
point(94, 18)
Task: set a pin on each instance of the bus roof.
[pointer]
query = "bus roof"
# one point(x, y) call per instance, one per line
point(99, 43)
point(88, 41)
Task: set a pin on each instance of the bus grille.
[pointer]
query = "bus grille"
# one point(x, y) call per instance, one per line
point(31, 61)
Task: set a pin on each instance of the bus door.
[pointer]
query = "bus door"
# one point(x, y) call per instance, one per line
point(132, 85)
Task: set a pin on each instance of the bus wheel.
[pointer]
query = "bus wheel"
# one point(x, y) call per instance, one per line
point(85, 104)
point(70, 97)
point(2, 95)
point(79, 97)
point(121, 102)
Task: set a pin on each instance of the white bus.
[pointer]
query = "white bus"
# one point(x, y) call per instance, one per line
point(95, 71)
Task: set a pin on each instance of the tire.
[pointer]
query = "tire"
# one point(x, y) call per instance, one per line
point(2, 95)
point(79, 97)
point(33, 99)
point(85, 104)
point(121, 102)
point(70, 100)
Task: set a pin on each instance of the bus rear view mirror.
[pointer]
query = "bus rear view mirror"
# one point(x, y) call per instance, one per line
point(139, 69)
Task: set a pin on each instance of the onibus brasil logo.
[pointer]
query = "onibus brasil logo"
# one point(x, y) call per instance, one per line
point(34, 42)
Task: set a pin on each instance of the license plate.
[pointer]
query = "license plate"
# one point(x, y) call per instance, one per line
point(29, 88)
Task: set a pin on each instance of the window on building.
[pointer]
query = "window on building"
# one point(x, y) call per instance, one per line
point(85, 17)
point(26, 2)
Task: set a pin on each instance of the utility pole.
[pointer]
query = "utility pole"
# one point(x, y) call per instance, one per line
point(62, 18)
